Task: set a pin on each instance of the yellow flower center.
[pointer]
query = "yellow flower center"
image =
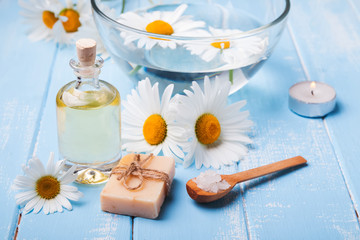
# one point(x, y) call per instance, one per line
point(73, 22)
point(47, 187)
point(155, 129)
point(207, 129)
point(49, 19)
point(159, 27)
point(221, 45)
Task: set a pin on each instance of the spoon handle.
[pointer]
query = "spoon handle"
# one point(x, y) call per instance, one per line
point(267, 169)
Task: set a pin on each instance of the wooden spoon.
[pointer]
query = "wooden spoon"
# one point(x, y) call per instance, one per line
point(202, 196)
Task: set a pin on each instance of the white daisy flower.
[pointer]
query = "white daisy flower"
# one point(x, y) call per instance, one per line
point(73, 20)
point(46, 188)
point(51, 20)
point(149, 122)
point(216, 131)
point(41, 15)
point(238, 52)
point(165, 23)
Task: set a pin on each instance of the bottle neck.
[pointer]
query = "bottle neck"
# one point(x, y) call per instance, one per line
point(88, 73)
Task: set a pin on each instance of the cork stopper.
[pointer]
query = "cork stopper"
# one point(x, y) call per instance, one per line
point(86, 51)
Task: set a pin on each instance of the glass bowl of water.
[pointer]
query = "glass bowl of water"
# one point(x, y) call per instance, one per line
point(177, 42)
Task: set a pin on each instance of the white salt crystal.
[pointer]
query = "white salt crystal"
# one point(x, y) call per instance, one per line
point(210, 181)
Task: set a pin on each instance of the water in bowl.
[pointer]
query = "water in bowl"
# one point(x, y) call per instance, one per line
point(180, 67)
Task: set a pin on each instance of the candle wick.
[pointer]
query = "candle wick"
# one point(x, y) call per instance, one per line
point(312, 92)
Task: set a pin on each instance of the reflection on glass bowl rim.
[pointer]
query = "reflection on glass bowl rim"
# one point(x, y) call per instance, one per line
point(180, 43)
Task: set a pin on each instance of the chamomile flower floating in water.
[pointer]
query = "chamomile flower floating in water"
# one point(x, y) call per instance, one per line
point(170, 23)
point(149, 122)
point(238, 52)
point(45, 188)
point(216, 131)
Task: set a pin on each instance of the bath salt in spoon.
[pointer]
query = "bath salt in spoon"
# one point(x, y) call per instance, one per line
point(200, 195)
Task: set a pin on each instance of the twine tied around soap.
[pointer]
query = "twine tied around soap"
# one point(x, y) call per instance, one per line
point(135, 169)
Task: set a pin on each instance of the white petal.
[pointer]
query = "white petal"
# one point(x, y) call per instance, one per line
point(189, 157)
point(165, 99)
point(31, 173)
point(69, 179)
point(140, 146)
point(36, 165)
point(69, 188)
point(177, 13)
point(199, 158)
point(59, 166)
point(39, 205)
point(157, 149)
point(132, 137)
point(23, 182)
point(46, 207)
point(64, 202)
point(52, 206)
point(24, 197)
point(209, 54)
point(238, 137)
point(31, 204)
point(50, 168)
point(74, 196)
point(58, 205)
point(150, 44)
point(68, 174)
point(175, 148)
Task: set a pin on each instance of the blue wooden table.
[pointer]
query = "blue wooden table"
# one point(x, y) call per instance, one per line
point(321, 201)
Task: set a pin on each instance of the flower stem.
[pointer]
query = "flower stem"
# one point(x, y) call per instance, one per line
point(231, 76)
point(135, 70)
point(123, 6)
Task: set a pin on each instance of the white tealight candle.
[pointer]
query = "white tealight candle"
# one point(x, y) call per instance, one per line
point(312, 99)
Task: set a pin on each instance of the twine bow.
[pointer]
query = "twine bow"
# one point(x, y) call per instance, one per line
point(135, 169)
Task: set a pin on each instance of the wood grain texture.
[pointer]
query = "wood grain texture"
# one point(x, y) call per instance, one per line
point(330, 50)
point(183, 218)
point(24, 84)
point(312, 202)
point(322, 42)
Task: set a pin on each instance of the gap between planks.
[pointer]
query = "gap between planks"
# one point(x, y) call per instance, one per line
point(132, 228)
point(32, 150)
point(354, 8)
point(307, 75)
point(17, 218)
point(247, 225)
point(338, 156)
point(17, 227)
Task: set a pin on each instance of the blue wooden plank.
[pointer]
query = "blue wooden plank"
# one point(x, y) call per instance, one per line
point(183, 218)
point(86, 220)
point(355, 5)
point(23, 85)
point(312, 202)
point(332, 55)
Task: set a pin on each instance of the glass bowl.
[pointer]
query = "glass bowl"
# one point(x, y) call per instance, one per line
point(184, 41)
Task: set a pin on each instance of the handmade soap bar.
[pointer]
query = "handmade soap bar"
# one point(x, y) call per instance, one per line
point(145, 201)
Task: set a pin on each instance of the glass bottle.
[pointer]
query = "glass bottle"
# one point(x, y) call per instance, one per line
point(88, 120)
